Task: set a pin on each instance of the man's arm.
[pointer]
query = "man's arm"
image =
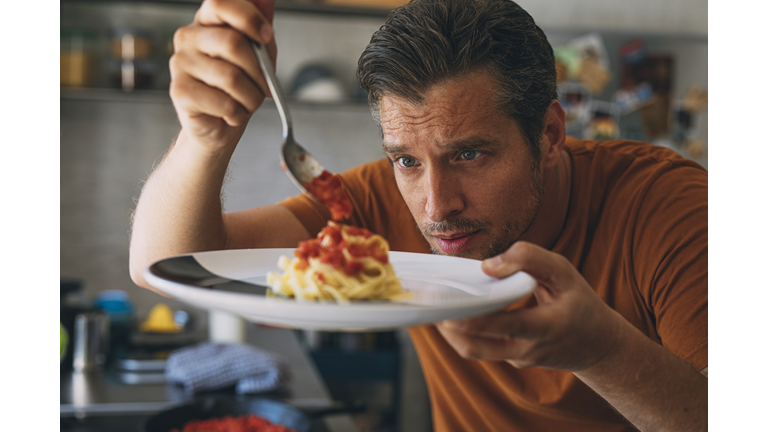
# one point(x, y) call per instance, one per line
point(571, 328)
point(650, 386)
point(179, 211)
point(216, 85)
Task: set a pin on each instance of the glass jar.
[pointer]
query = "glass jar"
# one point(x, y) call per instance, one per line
point(131, 44)
point(77, 58)
point(132, 66)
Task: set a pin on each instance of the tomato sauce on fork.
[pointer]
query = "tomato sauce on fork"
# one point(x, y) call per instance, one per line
point(328, 190)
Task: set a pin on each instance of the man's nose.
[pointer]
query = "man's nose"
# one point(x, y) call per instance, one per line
point(444, 196)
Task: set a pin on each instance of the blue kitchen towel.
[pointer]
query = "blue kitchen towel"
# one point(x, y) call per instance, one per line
point(214, 365)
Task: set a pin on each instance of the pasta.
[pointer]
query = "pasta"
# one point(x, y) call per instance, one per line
point(343, 263)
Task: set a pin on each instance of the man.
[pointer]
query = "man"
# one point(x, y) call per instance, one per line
point(477, 165)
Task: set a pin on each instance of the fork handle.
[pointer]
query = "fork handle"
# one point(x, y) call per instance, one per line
point(274, 87)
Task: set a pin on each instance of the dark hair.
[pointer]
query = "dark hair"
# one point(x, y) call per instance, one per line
point(426, 42)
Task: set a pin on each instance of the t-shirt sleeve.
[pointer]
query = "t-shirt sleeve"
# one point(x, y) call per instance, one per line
point(369, 192)
point(671, 262)
point(312, 215)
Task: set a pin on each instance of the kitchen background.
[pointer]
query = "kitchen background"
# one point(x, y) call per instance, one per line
point(633, 69)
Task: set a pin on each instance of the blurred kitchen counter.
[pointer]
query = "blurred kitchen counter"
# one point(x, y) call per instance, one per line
point(95, 400)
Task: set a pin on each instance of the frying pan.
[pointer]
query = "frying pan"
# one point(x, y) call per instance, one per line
point(208, 407)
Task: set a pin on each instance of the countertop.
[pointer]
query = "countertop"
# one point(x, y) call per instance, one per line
point(104, 395)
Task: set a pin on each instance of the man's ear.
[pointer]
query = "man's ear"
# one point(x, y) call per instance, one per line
point(553, 138)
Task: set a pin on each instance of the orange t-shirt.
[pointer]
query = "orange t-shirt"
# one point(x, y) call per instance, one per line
point(636, 230)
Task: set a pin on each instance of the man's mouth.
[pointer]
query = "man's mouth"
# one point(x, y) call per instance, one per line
point(454, 243)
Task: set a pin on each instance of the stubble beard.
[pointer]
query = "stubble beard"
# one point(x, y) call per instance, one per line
point(512, 231)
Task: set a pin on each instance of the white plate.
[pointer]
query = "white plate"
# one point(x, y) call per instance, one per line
point(443, 287)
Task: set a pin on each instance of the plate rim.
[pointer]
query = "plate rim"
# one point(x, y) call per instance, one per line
point(383, 307)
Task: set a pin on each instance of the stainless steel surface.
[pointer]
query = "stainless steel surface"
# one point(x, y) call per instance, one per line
point(91, 341)
point(137, 378)
point(141, 365)
point(298, 163)
point(84, 394)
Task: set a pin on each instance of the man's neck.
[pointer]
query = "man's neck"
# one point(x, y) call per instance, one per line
point(550, 221)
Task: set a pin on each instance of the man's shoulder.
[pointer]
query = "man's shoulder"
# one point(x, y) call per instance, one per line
point(621, 174)
point(624, 150)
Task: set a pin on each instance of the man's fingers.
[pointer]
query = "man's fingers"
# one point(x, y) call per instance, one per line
point(543, 295)
point(221, 75)
point(479, 347)
point(527, 323)
point(242, 15)
point(500, 336)
point(267, 8)
point(231, 46)
point(196, 98)
point(551, 270)
point(222, 43)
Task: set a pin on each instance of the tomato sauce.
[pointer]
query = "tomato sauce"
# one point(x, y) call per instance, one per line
point(244, 423)
point(331, 251)
point(328, 190)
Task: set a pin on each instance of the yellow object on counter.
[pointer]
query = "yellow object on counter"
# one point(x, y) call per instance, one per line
point(160, 320)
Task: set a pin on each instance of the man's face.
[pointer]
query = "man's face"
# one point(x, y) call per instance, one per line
point(463, 168)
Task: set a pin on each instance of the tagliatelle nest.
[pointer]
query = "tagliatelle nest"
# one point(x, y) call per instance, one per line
point(343, 263)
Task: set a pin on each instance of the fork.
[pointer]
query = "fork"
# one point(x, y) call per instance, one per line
point(300, 166)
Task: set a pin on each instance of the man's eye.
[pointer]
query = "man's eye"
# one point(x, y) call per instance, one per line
point(469, 154)
point(407, 161)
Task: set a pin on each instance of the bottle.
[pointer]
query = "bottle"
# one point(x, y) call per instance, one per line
point(77, 58)
point(131, 66)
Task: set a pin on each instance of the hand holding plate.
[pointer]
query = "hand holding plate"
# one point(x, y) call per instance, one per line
point(570, 328)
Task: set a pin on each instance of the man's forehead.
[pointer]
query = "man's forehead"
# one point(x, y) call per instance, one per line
point(398, 115)
point(440, 119)
point(402, 128)
point(455, 95)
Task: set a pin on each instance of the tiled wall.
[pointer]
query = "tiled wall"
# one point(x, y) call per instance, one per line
point(109, 147)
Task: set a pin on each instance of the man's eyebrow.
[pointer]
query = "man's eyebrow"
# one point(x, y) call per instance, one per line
point(393, 148)
point(471, 143)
